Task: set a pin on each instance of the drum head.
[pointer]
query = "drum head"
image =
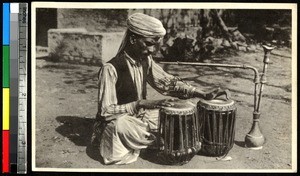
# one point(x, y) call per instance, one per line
point(180, 105)
point(217, 103)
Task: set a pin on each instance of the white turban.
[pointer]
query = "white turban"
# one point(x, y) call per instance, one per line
point(145, 25)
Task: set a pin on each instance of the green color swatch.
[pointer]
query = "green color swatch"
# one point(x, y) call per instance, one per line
point(6, 67)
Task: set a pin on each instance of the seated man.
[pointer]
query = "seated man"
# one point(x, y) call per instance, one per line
point(125, 119)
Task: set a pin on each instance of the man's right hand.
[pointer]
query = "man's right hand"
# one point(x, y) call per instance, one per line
point(153, 104)
point(216, 93)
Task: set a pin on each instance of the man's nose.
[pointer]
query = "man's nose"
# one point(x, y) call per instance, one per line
point(151, 49)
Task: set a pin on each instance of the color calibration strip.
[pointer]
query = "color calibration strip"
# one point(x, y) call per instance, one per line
point(5, 87)
point(14, 70)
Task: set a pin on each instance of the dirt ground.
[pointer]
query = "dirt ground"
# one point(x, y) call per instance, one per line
point(66, 104)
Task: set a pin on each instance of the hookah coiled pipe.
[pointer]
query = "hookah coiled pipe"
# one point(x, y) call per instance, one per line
point(254, 139)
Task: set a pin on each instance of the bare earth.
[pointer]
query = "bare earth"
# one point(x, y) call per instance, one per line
point(66, 104)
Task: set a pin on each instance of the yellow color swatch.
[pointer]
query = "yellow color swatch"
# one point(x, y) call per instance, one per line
point(5, 107)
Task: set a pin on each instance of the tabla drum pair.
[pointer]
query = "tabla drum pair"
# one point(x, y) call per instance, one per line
point(186, 129)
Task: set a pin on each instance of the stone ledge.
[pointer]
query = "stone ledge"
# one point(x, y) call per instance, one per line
point(68, 30)
point(88, 47)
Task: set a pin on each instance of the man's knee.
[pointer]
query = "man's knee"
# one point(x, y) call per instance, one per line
point(122, 126)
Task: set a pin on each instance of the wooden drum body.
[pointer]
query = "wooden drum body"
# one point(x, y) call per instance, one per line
point(178, 128)
point(217, 126)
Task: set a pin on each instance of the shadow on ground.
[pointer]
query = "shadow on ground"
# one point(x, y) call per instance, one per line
point(79, 130)
point(153, 156)
point(94, 153)
point(240, 143)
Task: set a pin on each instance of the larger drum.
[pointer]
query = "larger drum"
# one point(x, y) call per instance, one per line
point(178, 129)
point(217, 126)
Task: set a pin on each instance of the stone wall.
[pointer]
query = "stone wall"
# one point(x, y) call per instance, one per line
point(77, 45)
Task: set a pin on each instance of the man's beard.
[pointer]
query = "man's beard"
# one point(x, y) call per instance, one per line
point(146, 55)
point(143, 57)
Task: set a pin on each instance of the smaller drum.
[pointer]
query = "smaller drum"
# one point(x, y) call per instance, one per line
point(178, 129)
point(216, 125)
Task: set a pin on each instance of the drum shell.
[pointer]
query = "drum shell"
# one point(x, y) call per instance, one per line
point(216, 128)
point(179, 131)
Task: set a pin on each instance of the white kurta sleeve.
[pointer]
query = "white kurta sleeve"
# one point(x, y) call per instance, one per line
point(168, 84)
point(108, 107)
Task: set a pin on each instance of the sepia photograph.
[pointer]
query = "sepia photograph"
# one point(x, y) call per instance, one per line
point(164, 87)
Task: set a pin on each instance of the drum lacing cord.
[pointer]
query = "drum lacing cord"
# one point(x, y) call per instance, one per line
point(212, 143)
